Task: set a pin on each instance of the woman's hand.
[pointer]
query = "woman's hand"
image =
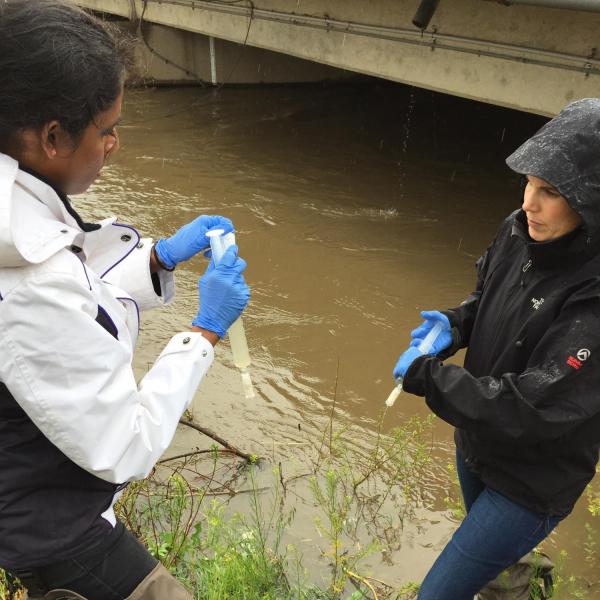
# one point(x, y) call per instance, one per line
point(406, 359)
point(223, 293)
point(189, 240)
point(441, 342)
point(444, 338)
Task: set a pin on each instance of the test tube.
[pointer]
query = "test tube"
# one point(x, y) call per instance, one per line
point(219, 242)
point(424, 347)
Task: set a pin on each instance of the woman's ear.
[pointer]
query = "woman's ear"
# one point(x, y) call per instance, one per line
point(54, 140)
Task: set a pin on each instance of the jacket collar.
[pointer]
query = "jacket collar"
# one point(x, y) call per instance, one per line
point(36, 223)
point(574, 247)
point(63, 198)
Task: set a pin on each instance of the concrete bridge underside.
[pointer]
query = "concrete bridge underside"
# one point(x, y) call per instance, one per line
point(531, 58)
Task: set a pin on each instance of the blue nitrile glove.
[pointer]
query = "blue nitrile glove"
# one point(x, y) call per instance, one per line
point(189, 240)
point(223, 293)
point(406, 359)
point(444, 338)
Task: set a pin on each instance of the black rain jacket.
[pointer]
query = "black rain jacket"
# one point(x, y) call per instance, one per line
point(526, 405)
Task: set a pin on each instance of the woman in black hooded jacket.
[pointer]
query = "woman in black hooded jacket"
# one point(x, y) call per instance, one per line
point(526, 404)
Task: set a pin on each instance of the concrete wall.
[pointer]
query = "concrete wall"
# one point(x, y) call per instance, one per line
point(173, 56)
point(525, 57)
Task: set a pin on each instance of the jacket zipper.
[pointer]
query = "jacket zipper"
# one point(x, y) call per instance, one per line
point(524, 270)
point(509, 300)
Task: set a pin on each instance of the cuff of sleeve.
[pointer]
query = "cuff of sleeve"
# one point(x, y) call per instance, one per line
point(178, 371)
point(457, 341)
point(413, 381)
point(454, 322)
point(140, 284)
point(189, 342)
point(454, 347)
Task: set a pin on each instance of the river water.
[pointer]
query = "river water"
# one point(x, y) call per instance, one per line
point(356, 206)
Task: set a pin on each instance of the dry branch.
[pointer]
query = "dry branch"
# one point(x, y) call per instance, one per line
point(218, 439)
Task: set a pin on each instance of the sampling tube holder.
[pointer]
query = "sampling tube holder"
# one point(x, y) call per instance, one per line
point(424, 348)
point(219, 242)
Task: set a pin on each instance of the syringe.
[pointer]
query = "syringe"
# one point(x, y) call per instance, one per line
point(219, 242)
point(424, 347)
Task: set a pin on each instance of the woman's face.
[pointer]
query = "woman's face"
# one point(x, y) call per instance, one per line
point(549, 215)
point(71, 167)
point(77, 169)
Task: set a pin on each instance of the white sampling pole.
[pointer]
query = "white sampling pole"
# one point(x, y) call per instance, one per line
point(424, 347)
point(219, 242)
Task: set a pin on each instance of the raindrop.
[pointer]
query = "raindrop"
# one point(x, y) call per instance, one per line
point(409, 111)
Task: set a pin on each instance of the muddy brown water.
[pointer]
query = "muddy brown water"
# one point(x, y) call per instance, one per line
point(356, 206)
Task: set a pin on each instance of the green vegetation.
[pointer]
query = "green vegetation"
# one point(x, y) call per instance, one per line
point(581, 588)
point(220, 553)
point(453, 498)
point(361, 490)
point(361, 493)
point(9, 588)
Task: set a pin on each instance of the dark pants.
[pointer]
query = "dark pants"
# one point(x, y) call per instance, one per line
point(110, 572)
point(494, 535)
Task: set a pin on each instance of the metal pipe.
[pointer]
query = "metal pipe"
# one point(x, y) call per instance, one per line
point(213, 60)
point(435, 41)
point(424, 13)
point(586, 5)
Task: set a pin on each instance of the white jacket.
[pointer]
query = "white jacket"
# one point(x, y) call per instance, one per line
point(71, 376)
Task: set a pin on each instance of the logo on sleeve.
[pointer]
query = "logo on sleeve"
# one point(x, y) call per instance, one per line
point(536, 303)
point(582, 356)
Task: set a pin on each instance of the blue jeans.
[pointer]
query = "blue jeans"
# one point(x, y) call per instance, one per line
point(495, 534)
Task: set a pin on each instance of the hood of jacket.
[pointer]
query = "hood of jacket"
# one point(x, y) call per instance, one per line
point(35, 222)
point(565, 152)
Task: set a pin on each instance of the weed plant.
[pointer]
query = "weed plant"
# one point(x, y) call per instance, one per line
point(10, 588)
point(181, 513)
point(364, 490)
point(567, 586)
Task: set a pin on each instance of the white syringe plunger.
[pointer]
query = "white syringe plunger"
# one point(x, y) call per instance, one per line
point(394, 394)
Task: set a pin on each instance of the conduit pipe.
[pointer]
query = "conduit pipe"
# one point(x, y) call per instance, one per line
point(434, 40)
point(427, 8)
point(424, 13)
point(586, 5)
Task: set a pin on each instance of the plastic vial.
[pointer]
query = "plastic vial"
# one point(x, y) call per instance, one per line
point(219, 242)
